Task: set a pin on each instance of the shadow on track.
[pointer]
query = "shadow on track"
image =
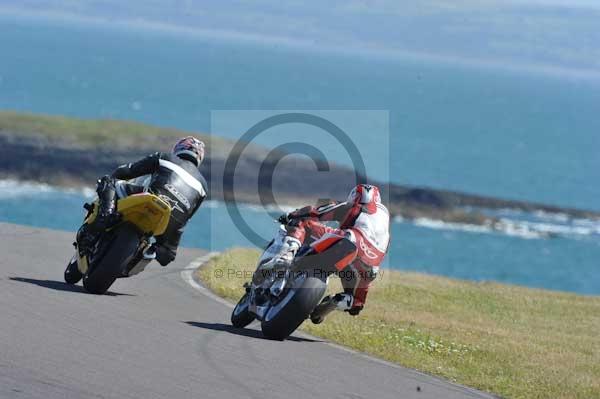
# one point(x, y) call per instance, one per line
point(60, 286)
point(244, 332)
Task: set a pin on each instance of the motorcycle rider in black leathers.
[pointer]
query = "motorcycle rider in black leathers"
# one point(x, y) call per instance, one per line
point(174, 177)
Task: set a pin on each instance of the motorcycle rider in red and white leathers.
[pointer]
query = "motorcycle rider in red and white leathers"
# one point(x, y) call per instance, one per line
point(364, 221)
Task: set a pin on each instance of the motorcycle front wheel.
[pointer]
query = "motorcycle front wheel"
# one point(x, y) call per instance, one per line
point(240, 316)
point(72, 273)
point(295, 307)
point(123, 247)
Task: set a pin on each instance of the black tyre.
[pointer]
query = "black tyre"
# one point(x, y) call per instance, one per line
point(124, 244)
point(287, 315)
point(240, 316)
point(72, 273)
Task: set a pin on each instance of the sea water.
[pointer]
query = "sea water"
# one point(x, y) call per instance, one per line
point(486, 131)
point(520, 255)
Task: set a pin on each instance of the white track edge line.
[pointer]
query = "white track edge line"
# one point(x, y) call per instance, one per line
point(187, 274)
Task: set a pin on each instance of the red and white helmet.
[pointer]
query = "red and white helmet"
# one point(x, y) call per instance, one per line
point(367, 196)
point(191, 147)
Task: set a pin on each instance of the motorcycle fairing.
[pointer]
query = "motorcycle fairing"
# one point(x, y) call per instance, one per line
point(146, 211)
point(329, 254)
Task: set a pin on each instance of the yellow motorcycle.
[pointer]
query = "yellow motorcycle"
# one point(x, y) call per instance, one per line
point(123, 249)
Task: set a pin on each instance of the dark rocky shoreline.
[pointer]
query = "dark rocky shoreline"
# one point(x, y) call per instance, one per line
point(39, 158)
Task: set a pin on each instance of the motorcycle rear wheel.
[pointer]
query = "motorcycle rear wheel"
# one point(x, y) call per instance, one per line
point(293, 312)
point(124, 245)
point(240, 316)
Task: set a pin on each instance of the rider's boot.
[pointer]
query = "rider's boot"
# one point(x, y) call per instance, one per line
point(289, 250)
point(85, 239)
point(280, 261)
point(291, 244)
point(107, 215)
point(342, 301)
point(286, 254)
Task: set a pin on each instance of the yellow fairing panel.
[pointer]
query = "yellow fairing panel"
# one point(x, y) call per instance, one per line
point(148, 212)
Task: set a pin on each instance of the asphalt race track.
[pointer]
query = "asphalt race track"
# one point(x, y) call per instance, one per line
point(155, 336)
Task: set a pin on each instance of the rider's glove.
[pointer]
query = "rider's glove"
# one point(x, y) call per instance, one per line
point(165, 255)
point(284, 219)
point(303, 213)
point(289, 220)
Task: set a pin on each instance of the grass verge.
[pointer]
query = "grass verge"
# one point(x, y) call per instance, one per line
point(92, 133)
point(514, 341)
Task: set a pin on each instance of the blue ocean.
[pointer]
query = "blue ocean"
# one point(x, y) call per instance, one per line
point(480, 130)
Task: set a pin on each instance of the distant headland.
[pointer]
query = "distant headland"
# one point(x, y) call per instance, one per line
point(74, 152)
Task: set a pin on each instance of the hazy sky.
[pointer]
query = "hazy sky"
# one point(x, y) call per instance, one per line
point(562, 34)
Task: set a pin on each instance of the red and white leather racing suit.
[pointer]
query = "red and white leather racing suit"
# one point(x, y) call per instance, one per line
point(368, 231)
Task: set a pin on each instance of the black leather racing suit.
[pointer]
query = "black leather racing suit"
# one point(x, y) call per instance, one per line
point(177, 181)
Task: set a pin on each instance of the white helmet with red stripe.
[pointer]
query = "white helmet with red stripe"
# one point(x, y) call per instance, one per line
point(367, 196)
point(190, 147)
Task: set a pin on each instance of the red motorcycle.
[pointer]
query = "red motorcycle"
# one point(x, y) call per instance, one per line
point(283, 295)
